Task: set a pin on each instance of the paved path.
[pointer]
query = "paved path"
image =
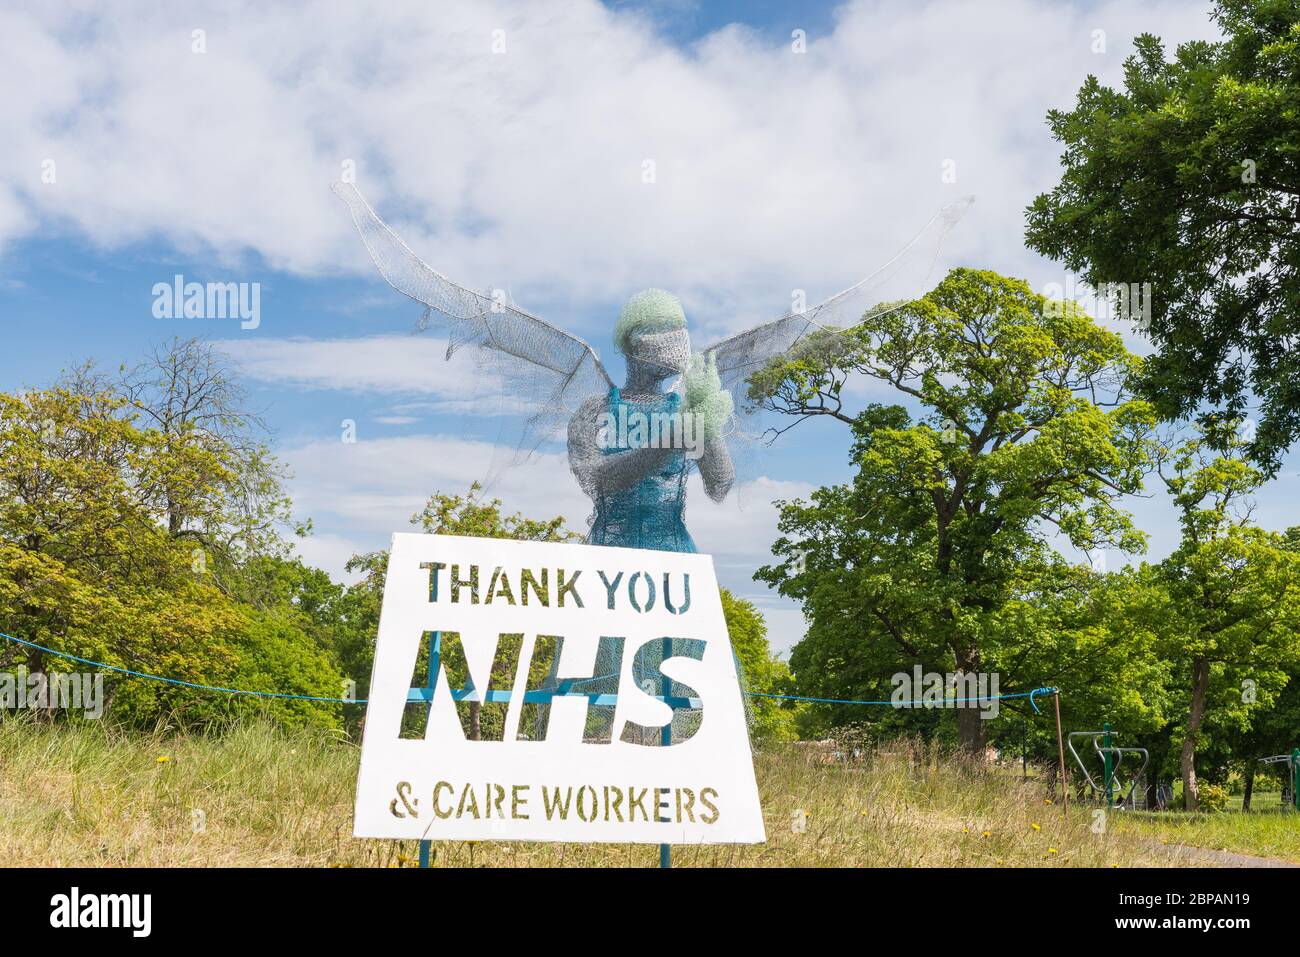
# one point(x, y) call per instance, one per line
point(1209, 857)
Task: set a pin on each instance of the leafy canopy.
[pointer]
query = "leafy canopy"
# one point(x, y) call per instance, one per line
point(1189, 179)
point(1022, 426)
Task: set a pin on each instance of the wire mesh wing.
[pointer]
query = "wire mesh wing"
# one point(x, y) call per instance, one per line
point(904, 277)
point(544, 373)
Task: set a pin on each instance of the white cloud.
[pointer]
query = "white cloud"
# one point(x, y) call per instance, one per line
point(377, 364)
point(372, 487)
point(739, 532)
point(330, 552)
point(523, 169)
point(399, 366)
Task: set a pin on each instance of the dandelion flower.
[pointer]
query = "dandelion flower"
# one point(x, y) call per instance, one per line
point(1035, 827)
point(163, 759)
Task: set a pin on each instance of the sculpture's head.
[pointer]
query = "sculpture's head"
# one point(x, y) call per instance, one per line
point(652, 330)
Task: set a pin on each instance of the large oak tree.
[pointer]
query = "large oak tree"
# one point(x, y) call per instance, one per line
point(1019, 427)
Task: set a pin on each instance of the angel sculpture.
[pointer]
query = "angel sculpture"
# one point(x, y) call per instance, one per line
point(635, 479)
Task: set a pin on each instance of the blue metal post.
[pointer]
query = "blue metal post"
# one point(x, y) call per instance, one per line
point(435, 654)
point(665, 738)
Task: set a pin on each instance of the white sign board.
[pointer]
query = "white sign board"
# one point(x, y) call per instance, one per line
point(511, 743)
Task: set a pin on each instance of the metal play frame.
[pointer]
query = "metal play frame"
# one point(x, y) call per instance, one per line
point(1292, 760)
point(1112, 757)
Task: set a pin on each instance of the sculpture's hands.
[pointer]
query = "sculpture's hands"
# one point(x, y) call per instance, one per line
point(705, 398)
point(712, 407)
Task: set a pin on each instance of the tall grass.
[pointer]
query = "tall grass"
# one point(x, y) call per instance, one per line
point(86, 795)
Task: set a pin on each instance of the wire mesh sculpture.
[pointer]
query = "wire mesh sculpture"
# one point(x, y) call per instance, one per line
point(633, 447)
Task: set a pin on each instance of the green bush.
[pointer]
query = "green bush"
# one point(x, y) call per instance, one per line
point(1214, 797)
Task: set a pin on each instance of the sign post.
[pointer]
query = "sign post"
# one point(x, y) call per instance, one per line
point(546, 709)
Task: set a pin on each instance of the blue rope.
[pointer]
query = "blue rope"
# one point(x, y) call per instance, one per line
point(304, 697)
point(996, 697)
point(174, 681)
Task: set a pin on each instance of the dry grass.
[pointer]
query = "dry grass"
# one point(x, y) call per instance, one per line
point(87, 796)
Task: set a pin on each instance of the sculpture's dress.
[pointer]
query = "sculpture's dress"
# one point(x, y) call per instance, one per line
point(650, 514)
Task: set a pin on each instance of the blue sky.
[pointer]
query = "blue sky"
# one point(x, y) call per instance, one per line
point(508, 144)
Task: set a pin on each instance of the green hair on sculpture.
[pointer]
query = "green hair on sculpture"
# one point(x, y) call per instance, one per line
point(650, 311)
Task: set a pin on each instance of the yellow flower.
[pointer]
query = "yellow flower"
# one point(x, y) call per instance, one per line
point(1035, 827)
point(986, 834)
point(163, 759)
point(1051, 850)
point(1047, 800)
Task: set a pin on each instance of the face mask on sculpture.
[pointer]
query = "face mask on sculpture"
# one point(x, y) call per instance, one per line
point(665, 352)
point(651, 330)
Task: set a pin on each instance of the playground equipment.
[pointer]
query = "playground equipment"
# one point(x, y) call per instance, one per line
point(1292, 760)
point(1112, 758)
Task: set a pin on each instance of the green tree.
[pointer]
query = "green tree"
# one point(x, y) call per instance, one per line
point(221, 488)
point(81, 558)
point(89, 566)
point(763, 673)
point(1189, 179)
point(1273, 729)
point(1228, 608)
point(1023, 426)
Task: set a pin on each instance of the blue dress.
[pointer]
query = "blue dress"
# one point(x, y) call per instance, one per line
point(650, 514)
